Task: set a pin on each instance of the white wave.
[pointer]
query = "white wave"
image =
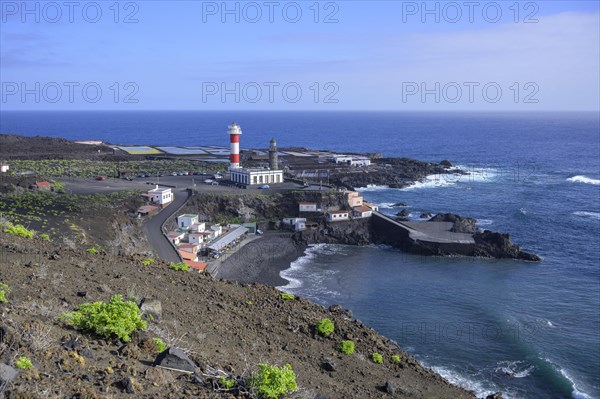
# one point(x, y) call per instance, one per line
point(432, 181)
point(523, 211)
point(514, 369)
point(583, 179)
point(468, 174)
point(593, 215)
point(309, 255)
point(372, 188)
point(576, 393)
point(464, 382)
point(484, 222)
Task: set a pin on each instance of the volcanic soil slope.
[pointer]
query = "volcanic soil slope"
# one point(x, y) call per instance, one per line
point(223, 326)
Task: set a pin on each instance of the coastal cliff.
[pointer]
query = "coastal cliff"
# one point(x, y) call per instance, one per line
point(225, 329)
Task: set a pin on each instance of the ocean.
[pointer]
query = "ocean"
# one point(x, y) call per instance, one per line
point(530, 330)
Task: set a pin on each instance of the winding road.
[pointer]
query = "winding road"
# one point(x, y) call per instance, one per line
point(153, 228)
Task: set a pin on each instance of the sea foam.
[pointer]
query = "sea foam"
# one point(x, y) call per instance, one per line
point(583, 179)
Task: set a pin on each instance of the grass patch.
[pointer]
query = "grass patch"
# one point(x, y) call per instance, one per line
point(346, 347)
point(395, 358)
point(272, 382)
point(116, 318)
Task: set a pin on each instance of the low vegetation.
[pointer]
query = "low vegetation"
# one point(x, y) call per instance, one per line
point(80, 168)
point(272, 382)
point(18, 230)
point(160, 345)
point(181, 266)
point(23, 363)
point(147, 262)
point(4, 291)
point(226, 383)
point(377, 358)
point(287, 297)
point(325, 327)
point(346, 347)
point(116, 318)
point(395, 358)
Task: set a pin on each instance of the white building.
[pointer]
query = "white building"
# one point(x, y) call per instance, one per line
point(198, 237)
point(352, 160)
point(362, 211)
point(186, 221)
point(198, 227)
point(297, 224)
point(4, 168)
point(307, 206)
point(161, 196)
point(217, 230)
point(255, 177)
point(335, 216)
point(175, 237)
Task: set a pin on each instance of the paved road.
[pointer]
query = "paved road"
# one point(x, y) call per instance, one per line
point(153, 232)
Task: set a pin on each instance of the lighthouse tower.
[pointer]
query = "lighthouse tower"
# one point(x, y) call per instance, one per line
point(273, 161)
point(234, 140)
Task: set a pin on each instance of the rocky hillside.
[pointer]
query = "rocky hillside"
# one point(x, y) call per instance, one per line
point(226, 330)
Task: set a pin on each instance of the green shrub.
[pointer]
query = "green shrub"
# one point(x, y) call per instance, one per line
point(117, 317)
point(395, 358)
point(325, 327)
point(377, 358)
point(160, 345)
point(273, 382)
point(92, 251)
point(287, 297)
point(227, 383)
point(181, 266)
point(18, 230)
point(4, 291)
point(147, 262)
point(346, 347)
point(23, 363)
point(44, 236)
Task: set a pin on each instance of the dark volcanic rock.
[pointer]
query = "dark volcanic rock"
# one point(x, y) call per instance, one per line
point(495, 245)
point(175, 359)
point(461, 224)
point(403, 213)
point(425, 215)
point(352, 232)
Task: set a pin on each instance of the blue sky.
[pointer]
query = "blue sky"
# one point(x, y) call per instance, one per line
point(305, 55)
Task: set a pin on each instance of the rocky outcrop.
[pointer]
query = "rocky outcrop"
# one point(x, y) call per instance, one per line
point(490, 244)
point(461, 224)
point(392, 172)
point(352, 232)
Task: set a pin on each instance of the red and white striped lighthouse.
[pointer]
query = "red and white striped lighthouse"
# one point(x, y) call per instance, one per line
point(234, 140)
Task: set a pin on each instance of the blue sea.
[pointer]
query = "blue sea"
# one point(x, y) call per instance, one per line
point(530, 330)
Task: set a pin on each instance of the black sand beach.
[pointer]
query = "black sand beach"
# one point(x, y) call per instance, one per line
point(261, 260)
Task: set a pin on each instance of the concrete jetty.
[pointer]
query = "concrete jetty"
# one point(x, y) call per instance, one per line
point(428, 238)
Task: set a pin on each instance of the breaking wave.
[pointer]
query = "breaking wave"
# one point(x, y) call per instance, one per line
point(583, 179)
